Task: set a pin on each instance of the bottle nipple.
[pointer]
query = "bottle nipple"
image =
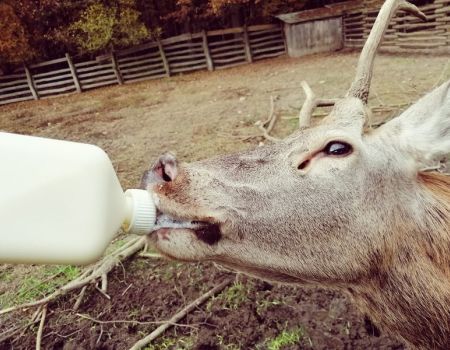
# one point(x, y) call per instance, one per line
point(140, 212)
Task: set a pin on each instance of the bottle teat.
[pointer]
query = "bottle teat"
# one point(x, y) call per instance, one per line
point(141, 212)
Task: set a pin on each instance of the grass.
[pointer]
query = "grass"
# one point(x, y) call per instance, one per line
point(41, 283)
point(166, 343)
point(263, 304)
point(285, 338)
point(233, 297)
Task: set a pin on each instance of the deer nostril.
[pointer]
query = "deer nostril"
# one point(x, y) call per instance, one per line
point(167, 167)
point(303, 165)
point(165, 177)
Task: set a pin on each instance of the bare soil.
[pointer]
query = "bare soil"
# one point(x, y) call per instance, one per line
point(200, 115)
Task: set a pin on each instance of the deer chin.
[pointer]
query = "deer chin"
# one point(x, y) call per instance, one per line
point(184, 239)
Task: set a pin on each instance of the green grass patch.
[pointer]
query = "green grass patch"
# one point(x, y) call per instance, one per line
point(234, 296)
point(39, 284)
point(285, 338)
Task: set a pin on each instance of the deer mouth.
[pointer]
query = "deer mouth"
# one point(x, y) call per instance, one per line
point(206, 232)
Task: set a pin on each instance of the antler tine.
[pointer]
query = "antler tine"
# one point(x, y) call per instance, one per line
point(361, 83)
point(311, 102)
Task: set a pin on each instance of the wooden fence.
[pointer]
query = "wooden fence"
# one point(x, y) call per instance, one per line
point(405, 33)
point(210, 50)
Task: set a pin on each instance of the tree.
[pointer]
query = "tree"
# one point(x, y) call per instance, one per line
point(14, 45)
point(101, 27)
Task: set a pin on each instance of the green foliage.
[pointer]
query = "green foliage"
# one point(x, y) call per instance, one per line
point(46, 29)
point(128, 29)
point(103, 27)
point(94, 30)
point(285, 338)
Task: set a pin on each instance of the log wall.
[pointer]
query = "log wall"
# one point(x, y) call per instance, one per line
point(405, 33)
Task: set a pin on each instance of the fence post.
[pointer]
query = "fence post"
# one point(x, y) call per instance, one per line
point(31, 83)
point(116, 68)
point(73, 71)
point(248, 50)
point(164, 58)
point(283, 34)
point(209, 61)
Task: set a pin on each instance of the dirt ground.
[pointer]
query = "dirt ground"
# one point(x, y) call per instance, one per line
point(197, 116)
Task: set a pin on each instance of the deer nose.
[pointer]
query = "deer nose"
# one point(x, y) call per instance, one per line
point(165, 169)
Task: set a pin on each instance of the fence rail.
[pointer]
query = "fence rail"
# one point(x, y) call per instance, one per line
point(405, 33)
point(217, 49)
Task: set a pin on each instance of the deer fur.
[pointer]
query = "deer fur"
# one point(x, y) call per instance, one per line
point(369, 222)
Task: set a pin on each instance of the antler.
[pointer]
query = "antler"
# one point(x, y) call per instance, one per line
point(311, 102)
point(361, 83)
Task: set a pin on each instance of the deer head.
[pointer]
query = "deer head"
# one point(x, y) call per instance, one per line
point(333, 204)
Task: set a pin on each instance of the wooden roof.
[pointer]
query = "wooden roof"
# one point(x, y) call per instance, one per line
point(327, 11)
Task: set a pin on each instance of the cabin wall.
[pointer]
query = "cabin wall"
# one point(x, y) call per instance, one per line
point(306, 38)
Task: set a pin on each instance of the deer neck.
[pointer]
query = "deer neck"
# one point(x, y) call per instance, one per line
point(408, 290)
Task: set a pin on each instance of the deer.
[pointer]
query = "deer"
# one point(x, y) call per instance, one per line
point(338, 205)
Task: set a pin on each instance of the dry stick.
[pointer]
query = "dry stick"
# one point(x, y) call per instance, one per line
point(104, 286)
point(79, 299)
point(89, 276)
point(272, 117)
point(87, 317)
point(41, 328)
point(14, 330)
point(179, 315)
point(126, 289)
point(106, 295)
point(270, 122)
point(304, 117)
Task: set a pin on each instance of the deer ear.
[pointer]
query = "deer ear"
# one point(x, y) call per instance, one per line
point(423, 130)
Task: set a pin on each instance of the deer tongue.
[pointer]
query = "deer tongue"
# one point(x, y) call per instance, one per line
point(165, 221)
point(206, 232)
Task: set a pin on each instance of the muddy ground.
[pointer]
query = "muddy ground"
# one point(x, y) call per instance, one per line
point(197, 116)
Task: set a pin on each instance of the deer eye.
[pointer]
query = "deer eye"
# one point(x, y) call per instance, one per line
point(338, 148)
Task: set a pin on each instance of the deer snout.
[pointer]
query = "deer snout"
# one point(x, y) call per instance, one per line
point(165, 169)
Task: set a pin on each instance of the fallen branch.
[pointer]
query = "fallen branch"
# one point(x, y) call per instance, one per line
point(180, 314)
point(90, 275)
point(126, 289)
point(87, 317)
point(79, 299)
point(102, 293)
point(267, 125)
point(41, 328)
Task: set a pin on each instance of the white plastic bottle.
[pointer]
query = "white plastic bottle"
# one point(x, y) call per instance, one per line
point(61, 202)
